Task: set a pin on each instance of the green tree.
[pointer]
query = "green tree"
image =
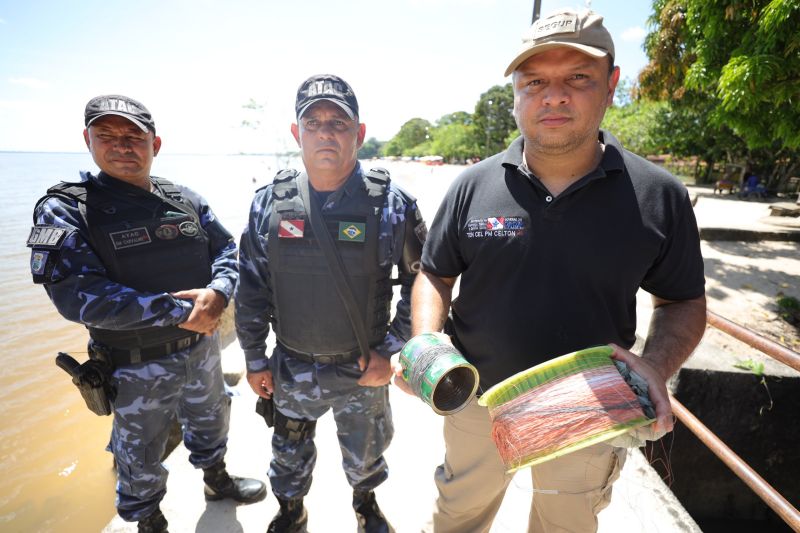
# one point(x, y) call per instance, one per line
point(730, 69)
point(459, 117)
point(371, 148)
point(635, 122)
point(493, 119)
point(454, 141)
point(414, 132)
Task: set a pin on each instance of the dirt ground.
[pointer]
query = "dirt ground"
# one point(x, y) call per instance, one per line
point(743, 283)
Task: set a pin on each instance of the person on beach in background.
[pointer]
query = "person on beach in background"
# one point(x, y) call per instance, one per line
point(552, 239)
point(332, 323)
point(148, 269)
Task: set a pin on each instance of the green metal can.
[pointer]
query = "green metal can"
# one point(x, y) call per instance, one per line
point(437, 373)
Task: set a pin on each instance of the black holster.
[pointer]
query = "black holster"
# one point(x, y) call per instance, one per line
point(294, 429)
point(93, 381)
point(266, 408)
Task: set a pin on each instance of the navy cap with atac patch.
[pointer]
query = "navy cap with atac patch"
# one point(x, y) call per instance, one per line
point(116, 104)
point(326, 87)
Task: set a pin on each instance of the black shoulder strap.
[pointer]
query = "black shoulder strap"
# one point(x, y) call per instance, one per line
point(73, 190)
point(70, 190)
point(169, 189)
point(335, 264)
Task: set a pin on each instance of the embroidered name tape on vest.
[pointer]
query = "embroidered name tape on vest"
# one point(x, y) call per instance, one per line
point(129, 238)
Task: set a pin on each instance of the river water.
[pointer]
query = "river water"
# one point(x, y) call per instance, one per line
point(55, 475)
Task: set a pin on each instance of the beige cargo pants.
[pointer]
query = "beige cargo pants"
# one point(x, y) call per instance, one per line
point(568, 491)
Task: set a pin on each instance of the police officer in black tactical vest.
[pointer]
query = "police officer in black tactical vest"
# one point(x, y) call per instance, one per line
point(146, 266)
point(316, 263)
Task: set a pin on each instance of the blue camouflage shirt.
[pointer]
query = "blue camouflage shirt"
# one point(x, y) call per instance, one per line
point(81, 291)
point(253, 292)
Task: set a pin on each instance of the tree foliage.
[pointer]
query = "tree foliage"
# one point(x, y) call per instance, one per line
point(371, 148)
point(730, 70)
point(494, 119)
point(459, 117)
point(454, 141)
point(461, 136)
point(635, 121)
point(413, 133)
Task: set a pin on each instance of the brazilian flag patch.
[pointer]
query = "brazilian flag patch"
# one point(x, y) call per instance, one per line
point(352, 231)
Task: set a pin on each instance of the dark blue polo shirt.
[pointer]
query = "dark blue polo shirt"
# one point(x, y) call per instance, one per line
point(544, 276)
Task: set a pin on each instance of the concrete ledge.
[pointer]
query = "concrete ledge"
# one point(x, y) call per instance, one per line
point(641, 501)
point(784, 209)
point(747, 235)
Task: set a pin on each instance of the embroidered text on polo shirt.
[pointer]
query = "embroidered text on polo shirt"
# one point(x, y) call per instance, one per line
point(498, 226)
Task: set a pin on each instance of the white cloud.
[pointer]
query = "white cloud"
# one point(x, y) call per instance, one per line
point(2, 21)
point(31, 83)
point(635, 34)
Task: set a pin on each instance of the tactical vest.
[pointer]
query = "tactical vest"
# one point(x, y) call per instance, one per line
point(308, 314)
point(146, 242)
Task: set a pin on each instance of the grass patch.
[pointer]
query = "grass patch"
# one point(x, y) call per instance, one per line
point(789, 309)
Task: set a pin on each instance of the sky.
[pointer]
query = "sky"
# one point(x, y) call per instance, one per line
point(196, 63)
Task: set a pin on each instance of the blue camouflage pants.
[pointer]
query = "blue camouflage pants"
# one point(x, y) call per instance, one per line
point(363, 420)
point(187, 383)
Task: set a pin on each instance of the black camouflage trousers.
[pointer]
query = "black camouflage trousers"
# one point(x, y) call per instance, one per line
point(363, 420)
point(187, 383)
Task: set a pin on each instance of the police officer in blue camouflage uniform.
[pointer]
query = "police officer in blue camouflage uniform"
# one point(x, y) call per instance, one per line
point(148, 269)
point(286, 281)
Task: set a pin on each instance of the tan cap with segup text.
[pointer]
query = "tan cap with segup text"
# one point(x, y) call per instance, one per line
point(583, 31)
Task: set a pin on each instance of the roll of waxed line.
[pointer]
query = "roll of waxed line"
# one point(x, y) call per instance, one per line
point(437, 373)
point(565, 404)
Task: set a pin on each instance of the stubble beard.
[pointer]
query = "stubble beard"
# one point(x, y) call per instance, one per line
point(559, 144)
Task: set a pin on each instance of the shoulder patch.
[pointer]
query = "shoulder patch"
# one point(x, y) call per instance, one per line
point(38, 262)
point(46, 236)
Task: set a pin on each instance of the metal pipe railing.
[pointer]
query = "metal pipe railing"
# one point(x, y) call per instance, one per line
point(771, 348)
point(764, 490)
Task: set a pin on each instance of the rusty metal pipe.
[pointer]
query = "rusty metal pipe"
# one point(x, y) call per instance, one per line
point(771, 348)
point(765, 491)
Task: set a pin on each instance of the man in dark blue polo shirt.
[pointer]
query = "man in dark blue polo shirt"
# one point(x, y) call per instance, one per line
point(551, 240)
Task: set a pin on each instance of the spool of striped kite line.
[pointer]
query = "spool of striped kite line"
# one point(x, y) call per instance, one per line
point(563, 405)
point(437, 373)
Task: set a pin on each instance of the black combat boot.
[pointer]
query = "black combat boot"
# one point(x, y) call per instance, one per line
point(369, 516)
point(291, 518)
point(220, 485)
point(155, 523)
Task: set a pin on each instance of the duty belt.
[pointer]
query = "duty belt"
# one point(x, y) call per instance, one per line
point(120, 357)
point(325, 359)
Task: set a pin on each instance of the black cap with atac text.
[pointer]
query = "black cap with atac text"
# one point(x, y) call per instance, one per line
point(115, 104)
point(326, 87)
